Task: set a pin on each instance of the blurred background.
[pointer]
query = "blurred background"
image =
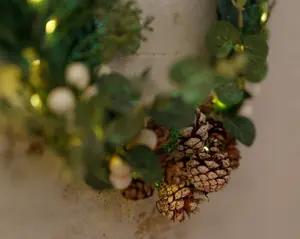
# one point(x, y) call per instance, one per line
point(262, 199)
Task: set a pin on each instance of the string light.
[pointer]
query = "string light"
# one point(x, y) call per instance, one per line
point(51, 26)
point(36, 101)
point(264, 17)
point(35, 1)
point(219, 105)
point(206, 148)
point(239, 48)
point(36, 62)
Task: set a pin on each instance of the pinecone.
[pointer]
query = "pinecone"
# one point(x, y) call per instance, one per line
point(138, 190)
point(218, 137)
point(193, 137)
point(208, 106)
point(175, 201)
point(209, 170)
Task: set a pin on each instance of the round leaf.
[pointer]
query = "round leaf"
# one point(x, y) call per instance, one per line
point(222, 39)
point(256, 46)
point(256, 71)
point(230, 93)
point(146, 163)
point(241, 128)
point(172, 112)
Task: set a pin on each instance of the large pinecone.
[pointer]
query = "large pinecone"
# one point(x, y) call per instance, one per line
point(138, 190)
point(193, 137)
point(176, 201)
point(209, 170)
point(218, 137)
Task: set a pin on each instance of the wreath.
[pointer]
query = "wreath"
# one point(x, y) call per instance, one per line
point(57, 91)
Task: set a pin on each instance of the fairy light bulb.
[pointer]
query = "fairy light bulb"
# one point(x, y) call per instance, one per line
point(35, 1)
point(206, 148)
point(264, 17)
point(36, 101)
point(51, 26)
point(219, 105)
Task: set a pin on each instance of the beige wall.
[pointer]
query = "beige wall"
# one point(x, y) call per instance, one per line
point(262, 200)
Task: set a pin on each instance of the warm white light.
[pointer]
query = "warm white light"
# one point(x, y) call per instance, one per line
point(51, 26)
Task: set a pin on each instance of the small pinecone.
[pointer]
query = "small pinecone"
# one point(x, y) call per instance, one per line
point(193, 137)
point(138, 190)
point(209, 171)
point(174, 201)
point(218, 137)
point(161, 132)
point(208, 106)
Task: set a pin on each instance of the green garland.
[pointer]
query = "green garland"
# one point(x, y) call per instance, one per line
point(41, 40)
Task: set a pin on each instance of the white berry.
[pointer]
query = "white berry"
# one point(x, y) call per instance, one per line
point(77, 74)
point(246, 110)
point(119, 167)
point(146, 137)
point(61, 100)
point(120, 182)
point(90, 92)
point(104, 70)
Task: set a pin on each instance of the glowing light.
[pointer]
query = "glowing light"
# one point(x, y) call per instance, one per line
point(219, 105)
point(36, 63)
point(206, 148)
point(35, 1)
point(75, 141)
point(115, 161)
point(99, 132)
point(264, 17)
point(239, 48)
point(51, 26)
point(36, 101)
point(134, 175)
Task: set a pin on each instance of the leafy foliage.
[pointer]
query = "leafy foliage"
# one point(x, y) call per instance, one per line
point(222, 39)
point(241, 128)
point(146, 163)
point(230, 93)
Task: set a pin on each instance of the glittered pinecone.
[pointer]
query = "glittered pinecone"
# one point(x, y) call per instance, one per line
point(138, 190)
point(209, 170)
point(193, 137)
point(176, 201)
point(161, 132)
point(218, 137)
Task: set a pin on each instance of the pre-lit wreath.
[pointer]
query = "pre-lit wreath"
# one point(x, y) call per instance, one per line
point(58, 92)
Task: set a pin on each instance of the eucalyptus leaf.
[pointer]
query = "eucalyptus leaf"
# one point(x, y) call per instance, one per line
point(120, 92)
point(124, 128)
point(241, 128)
point(256, 71)
point(230, 93)
point(196, 79)
point(222, 38)
point(146, 163)
point(256, 46)
point(172, 112)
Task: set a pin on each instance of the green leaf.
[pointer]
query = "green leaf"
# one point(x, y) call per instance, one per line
point(241, 128)
point(230, 93)
point(256, 71)
point(172, 112)
point(125, 128)
point(146, 163)
point(222, 39)
point(120, 92)
point(196, 79)
point(256, 46)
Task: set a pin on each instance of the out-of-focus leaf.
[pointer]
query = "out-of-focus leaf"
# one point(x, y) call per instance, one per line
point(146, 163)
point(241, 128)
point(222, 39)
point(230, 93)
point(172, 112)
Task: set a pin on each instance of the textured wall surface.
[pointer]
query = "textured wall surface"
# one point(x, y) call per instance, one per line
point(262, 199)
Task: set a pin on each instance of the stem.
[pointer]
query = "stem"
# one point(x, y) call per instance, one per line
point(240, 9)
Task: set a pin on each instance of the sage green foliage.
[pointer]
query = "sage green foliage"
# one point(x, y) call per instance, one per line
point(241, 128)
point(173, 140)
point(230, 93)
point(146, 163)
point(195, 79)
point(222, 39)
